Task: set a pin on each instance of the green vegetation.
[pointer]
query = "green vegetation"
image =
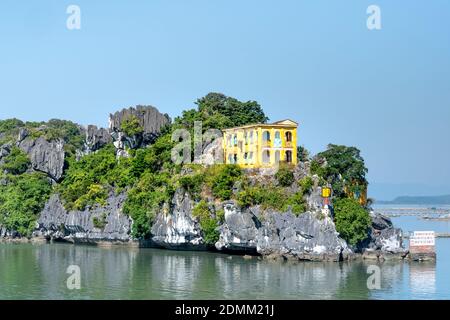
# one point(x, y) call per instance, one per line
point(150, 178)
point(131, 126)
point(100, 222)
point(306, 184)
point(352, 220)
point(207, 222)
point(16, 162)
point(21, 200)
point(285, 176)
point(274, 198)
point(218, 111)
point(342, 167)
point(89, 180)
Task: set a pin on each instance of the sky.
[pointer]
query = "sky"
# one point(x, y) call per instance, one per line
point(384, 91)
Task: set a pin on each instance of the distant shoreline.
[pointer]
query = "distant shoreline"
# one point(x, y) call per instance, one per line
point(418, 200)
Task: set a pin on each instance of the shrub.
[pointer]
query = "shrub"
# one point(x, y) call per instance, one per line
point(285, 176)
point(16, 162)
point(352, 220)
point(222, 178)
point(96, 194)
point(193, 184)
point(297, 203)
point(100, 222)
point(306, 184)
point(146, 199)
point(21, 200)
point(131, 126)
point(207, 223)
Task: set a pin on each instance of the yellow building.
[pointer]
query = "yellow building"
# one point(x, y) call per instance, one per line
point(261, 145)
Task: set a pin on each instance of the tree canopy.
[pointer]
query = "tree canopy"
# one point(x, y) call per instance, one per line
point(343, 167)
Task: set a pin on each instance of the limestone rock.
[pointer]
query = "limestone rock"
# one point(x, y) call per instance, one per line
point(175, 227)
point(282, 234)
point(55, 222)
point(239, 233)
point(96, 137)
point(212, 153)
point(151, 120)
point(45, 156)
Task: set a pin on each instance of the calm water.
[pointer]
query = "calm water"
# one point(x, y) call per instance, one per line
point(39, 272)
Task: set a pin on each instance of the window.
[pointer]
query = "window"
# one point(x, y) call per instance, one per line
point(277, 140)
point(235, 140)
point(289, 156)
point(266, 156)
point(266, 136)
point(288, 136)
point(235, 158)
point(251, 137)
point(246, 158)
point(230, 158)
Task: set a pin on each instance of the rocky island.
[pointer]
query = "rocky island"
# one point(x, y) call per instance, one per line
point(61, 181)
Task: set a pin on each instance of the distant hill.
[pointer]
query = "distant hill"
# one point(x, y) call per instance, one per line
point(445, 199)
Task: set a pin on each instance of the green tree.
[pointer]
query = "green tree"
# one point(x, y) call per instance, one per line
point(16, 162)
point(131, 126)
point(21, 200)
point(343, 167)
point(218, 111)
point(352, 221)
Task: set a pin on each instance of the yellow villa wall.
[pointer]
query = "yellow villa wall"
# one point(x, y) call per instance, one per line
point(259, 145)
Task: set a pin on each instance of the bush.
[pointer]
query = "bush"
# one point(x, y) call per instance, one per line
point(352, 220)
point(193, 184)
point(222, 178)
point(306, 184)
point(297, 203)
point(207, 223)
point(21, 200)
point(16, 162)
point(131, 126)
point(146, 199)
point(101, 222)
point(285, 176)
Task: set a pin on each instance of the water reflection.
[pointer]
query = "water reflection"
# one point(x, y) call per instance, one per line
point(30, 272)
point(422, 280)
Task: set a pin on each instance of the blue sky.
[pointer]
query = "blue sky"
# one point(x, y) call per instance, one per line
point(386, 91)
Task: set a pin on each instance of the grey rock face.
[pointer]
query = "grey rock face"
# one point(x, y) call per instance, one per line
point(78, 226)
point(151, 120)
point(239, 232)
point(175, 227)
point(276, 234)
point(212, 153)
point(46, 156)
point(96, 137)
point(385, 241)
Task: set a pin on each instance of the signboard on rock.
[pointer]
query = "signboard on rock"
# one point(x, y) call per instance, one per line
point(422, 242)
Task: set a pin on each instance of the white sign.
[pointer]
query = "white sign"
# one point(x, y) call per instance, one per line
point(422, 238)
